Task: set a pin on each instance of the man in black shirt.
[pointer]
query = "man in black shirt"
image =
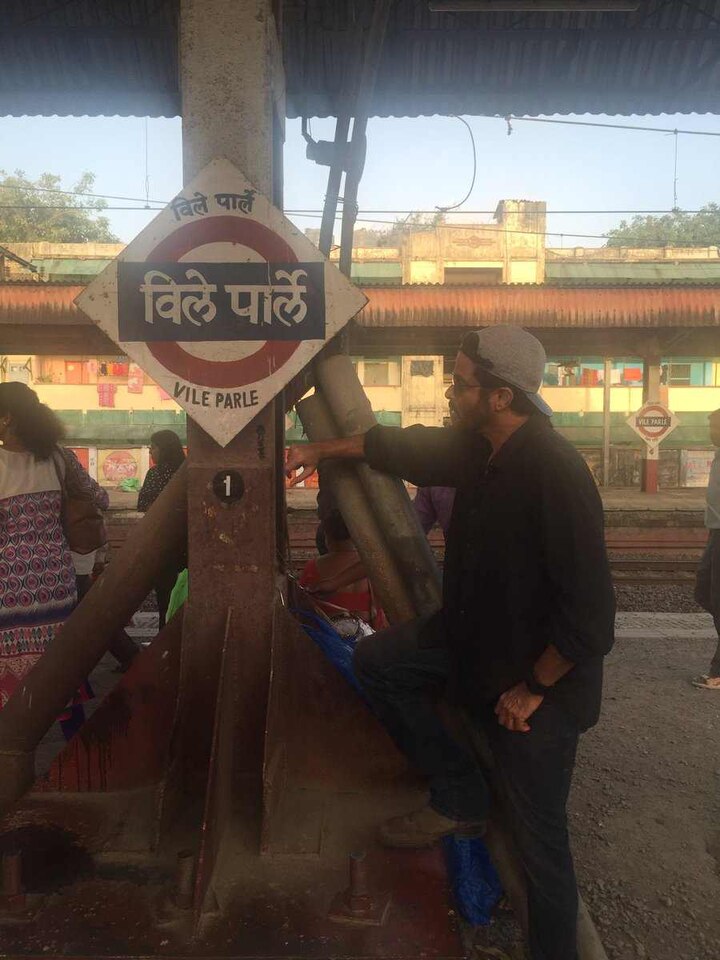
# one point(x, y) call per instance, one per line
point(527, 617)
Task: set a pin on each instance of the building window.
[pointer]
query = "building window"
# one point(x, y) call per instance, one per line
point(376, 374)
point(687, 373)
point(422, 368)
point(680, 374)
point(379, 373)
point(576, 372)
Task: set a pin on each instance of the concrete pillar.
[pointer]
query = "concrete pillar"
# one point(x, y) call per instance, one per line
point(230, 72)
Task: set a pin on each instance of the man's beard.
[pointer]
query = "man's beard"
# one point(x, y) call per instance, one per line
point(479, 419)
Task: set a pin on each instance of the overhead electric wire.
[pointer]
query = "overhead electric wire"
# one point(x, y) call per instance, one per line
point(474, 173)
point(64, 206)
point(490, 213)
point(73, 193)
point(511, 118)
point(307, 212)
point(393, 223)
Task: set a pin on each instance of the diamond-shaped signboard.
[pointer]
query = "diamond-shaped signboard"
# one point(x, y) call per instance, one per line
point(653, 422)
point(221, 300)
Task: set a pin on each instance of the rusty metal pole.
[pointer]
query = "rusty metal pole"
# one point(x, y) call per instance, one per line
point(355, 508)
point(607, 421)
point(387, 495)
point(85, 635)
point(232, 106)
point(651, 393)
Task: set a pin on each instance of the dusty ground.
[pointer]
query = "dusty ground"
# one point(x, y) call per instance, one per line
point(645, 809)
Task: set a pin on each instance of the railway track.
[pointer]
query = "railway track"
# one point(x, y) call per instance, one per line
point(653, 571)
point(638, 555)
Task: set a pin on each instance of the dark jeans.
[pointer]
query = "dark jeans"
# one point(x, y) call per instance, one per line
point(403, 676)
point(707, 589)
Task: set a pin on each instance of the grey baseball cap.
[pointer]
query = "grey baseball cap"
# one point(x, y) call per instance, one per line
point(511, 354)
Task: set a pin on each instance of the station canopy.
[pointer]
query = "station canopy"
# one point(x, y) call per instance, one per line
point(120, 57)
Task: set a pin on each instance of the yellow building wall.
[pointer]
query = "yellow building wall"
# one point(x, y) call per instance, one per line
point(590, 399)
point(385, 398)
point(85, 397)
point(423, 271)
point(629, 399)
point(524, 271)
point(694, 399)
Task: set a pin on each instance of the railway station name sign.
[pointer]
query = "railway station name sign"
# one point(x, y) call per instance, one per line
point(653, 422)
point(221, 300)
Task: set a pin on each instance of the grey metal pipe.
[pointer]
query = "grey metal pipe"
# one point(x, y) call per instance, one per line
point(355, 508)
point(387, 495)
point(110, 603)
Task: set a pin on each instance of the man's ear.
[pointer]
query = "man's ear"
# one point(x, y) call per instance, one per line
point(504, 399)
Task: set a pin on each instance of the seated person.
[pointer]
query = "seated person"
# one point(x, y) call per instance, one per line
point(337, 579)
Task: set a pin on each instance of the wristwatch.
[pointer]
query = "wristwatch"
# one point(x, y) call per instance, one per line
point(535, 687)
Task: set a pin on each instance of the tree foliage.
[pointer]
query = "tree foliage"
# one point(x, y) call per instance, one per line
point(29, 215)
point(410, 224)
point(676, 229)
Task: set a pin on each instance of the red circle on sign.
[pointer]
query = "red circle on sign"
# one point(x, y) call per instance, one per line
point(653, 410)
point(223, 373)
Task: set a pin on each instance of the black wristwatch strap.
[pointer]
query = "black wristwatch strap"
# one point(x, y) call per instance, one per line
point(535, 687)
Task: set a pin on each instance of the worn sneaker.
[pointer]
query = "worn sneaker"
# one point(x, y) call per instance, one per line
point(423, 828)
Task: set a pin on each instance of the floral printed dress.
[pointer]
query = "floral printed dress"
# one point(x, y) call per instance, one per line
point(37, 578)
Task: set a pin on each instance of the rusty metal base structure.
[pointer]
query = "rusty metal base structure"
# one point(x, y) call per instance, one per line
point(111, 855)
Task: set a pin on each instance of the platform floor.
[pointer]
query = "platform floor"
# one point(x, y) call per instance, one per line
point(623, 498)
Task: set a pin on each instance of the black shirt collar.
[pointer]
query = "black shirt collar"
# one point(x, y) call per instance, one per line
point(532, 426)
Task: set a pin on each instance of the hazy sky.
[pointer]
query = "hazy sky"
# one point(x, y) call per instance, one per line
point(412, 164)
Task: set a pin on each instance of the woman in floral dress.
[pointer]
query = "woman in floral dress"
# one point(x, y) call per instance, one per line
point(37, 577)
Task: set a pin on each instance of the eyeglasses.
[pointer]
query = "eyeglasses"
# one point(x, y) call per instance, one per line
point(460, 386)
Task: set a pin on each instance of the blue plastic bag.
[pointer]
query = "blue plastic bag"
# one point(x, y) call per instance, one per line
point(474, 881)
point(339, 650)
point(473, 878)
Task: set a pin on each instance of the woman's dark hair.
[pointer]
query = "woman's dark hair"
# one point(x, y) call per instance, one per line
point(33, 423)
point(171, 453)
point(333, 526)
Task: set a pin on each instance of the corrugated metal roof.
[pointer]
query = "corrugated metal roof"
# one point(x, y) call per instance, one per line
point(120, 57)
point(528, 305)
point(38, 303)
point(631, 272)
point(662, 58)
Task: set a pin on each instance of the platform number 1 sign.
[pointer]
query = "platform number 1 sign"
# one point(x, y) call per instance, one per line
point(228, 486)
